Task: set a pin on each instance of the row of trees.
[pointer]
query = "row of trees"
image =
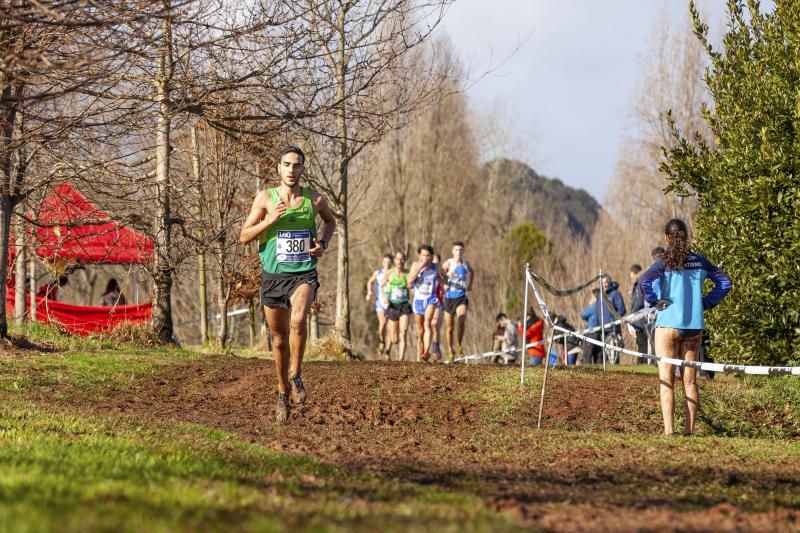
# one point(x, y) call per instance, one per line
point(169, 111)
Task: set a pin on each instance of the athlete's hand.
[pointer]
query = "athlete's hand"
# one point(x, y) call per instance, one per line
point(317, 250)
point(663, 304)
point(369, 297)
point(280, 210)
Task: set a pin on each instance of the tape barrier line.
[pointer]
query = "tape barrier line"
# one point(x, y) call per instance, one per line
point(711, 367)
point(555, 291)
point(633, 316)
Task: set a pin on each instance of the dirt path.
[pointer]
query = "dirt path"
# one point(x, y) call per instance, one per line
point(599, 465)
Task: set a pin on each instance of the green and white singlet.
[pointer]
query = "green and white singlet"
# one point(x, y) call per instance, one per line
point(285, 247)
point(397, 289)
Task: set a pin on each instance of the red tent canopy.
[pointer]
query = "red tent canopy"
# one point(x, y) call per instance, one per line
point(77, 230)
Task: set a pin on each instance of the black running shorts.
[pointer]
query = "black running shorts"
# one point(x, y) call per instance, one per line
point(394, 311)
point(277, 289)
point(451, 304)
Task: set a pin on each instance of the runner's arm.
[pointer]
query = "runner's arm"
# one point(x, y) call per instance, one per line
point(324, 211)
point(722, 284)
point(470, 276)
point(648, 281)
point(370, 281)
point(260, 217)
point(412, 275)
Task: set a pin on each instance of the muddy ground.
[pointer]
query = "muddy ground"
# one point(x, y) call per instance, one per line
point(599, 463)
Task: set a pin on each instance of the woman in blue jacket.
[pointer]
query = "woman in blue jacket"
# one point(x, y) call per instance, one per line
point(679, 276)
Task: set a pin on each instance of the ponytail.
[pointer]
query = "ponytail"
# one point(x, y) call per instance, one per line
point(677, 244)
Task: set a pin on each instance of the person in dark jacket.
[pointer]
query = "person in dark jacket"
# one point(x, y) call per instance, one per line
point(591, 352)
point(573, 345)
point(637, 304)
point(613, 334)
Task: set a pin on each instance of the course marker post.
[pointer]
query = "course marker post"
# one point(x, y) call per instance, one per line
point(602, 319)
point(522, 350)
point(544, 381)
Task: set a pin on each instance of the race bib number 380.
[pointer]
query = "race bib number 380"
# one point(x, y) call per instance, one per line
point(293, 246)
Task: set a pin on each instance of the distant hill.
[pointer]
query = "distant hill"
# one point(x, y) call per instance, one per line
point(519, 192)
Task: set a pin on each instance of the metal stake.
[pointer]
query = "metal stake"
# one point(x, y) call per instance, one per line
point(602, 320)
point(544, 381)
point(523, 350)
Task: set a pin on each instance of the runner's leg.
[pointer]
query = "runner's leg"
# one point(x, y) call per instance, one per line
point(461, 318)
point(301, 301)
point(392, 335)
point(690, 349)
point(436, 323)
point(449, 324)
point(420, 319)
point(428, 331)
point(278, 320)
point(381, 327)
point(666, 346)
point(403, 327)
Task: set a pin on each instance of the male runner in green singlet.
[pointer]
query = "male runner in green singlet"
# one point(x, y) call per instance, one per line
point(283, 220)
point(395, 292)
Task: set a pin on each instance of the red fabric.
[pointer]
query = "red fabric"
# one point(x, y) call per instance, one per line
point(95, 241)
point(534, 334)
point(84, 320)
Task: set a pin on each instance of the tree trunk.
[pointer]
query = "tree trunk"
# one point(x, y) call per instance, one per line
point(222, 300)
point(6, 206)
point(19, 284)
point(343, 249)
point(201, 256)
point(162, 299)
point(343, 280)
point(32, 288)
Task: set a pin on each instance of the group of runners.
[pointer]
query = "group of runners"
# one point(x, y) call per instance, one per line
point(425, 291)
point(283, 219)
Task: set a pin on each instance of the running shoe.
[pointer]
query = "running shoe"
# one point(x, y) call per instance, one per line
point(298, 390)
point(282, 409)
point(381, 348)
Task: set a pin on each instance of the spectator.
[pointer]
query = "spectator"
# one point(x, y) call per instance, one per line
point(534, 329)
point(637, 328)
point(681, 304)
point(613, 334)
point(112, 295)
point(508, 340)
point(573, 344)
point(591, 352)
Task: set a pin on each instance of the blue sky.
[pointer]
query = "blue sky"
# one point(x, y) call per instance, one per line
point(565, 94)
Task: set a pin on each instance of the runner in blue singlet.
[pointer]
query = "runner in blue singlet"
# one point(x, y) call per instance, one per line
point(374, 282)
point(422, 279)
point(459, 281)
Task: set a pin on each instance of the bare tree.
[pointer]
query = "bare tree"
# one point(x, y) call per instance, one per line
point(197, 59)
point(365, 46)
point(43, 121)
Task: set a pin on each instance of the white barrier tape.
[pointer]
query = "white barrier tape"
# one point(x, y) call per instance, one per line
point(711, 367)
point(483, 355)
point(235, 312)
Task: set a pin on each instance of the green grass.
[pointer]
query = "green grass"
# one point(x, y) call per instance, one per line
point(64, 469)
point(67, 472)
